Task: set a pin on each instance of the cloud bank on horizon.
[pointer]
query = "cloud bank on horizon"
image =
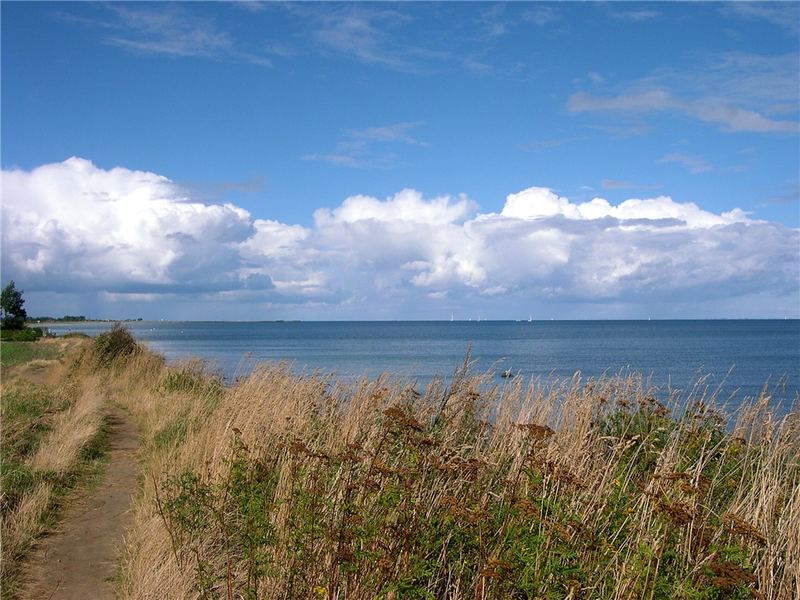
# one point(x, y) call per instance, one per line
point(71, 228)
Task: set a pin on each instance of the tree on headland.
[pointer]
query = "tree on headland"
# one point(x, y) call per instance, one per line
point(12, 308)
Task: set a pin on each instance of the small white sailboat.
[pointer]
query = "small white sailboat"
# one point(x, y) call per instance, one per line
point(530, 319)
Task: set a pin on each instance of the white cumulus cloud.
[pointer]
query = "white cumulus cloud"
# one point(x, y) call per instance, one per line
point(406, 206)
point(74, 225)
point(124, 234)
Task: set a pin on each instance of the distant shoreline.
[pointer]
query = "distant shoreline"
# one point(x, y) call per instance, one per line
point(92, 321)
point(81, 322)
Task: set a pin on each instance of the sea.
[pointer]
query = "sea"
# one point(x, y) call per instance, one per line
point(740, 357)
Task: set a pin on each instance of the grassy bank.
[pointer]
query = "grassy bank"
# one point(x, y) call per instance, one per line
point(52, 444)
point(300, 487)
point(14, 353)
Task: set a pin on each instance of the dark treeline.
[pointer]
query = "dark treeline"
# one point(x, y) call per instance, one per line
point(64, 318)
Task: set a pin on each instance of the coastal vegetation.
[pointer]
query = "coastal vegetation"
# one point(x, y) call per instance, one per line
point(25, 334)
point(287, 486)
point(282, 485)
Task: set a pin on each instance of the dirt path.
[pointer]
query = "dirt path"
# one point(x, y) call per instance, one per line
point(77, 561)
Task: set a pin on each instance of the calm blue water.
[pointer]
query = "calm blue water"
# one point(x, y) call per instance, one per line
point(676, 352)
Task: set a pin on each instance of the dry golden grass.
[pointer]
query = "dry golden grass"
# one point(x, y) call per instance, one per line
point(72, 430)
point(562, 488)
point(24, 523)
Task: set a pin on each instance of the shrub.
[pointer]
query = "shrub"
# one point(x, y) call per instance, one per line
point(28, 334)
point(113, 345)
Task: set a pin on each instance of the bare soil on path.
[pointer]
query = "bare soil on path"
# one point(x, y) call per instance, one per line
point(78, 561)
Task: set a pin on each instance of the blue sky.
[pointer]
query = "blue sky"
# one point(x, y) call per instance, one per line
point(251, 159)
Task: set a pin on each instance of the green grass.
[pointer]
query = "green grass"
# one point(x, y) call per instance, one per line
point(14, 353)
point(25, 411)
point(171, 434)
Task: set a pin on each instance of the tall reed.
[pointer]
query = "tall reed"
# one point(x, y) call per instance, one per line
point(289, 486)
